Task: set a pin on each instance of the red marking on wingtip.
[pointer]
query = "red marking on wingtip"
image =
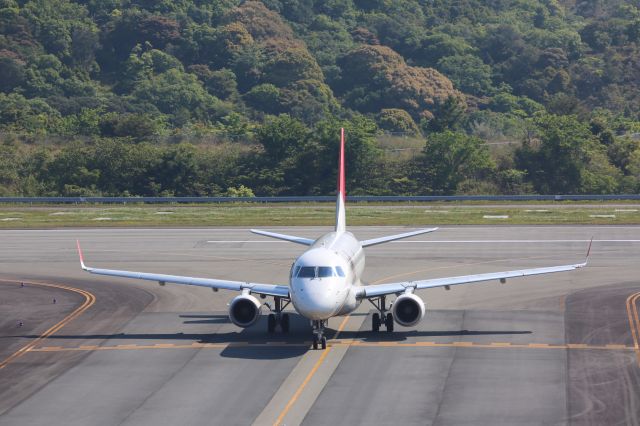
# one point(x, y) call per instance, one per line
point(79, 251)
point(589, 249)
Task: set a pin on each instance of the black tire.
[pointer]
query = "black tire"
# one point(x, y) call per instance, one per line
point(284, 323)
point(315, 342)
point(324, 342)
point(388, 322)
point(375, 322)
point(271, 323)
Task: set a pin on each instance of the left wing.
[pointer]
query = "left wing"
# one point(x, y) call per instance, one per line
point(266, 289)
point(401, 287)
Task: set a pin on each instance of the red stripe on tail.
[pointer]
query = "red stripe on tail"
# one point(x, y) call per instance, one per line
point(341, 183)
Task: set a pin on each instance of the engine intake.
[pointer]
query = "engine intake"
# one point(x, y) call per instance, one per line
point(244, 310)
point(408, 310)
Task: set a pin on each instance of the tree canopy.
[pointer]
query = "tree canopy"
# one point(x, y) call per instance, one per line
point(160, 87)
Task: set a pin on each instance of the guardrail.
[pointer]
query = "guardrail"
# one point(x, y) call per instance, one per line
point(313, 199)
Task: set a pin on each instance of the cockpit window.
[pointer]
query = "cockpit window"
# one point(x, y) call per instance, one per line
point(325, 272)
point(318, 272)
point(294, 271)
point(307, 272)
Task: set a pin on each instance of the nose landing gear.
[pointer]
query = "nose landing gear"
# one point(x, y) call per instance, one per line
point(318, 334)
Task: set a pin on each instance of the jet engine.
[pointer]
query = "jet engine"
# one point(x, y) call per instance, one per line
point(408, 310)
point(244, 310)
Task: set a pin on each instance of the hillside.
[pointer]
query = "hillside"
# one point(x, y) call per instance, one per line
point(561, 76)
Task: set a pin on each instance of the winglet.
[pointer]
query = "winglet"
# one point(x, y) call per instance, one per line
point(82, 265)
point(586, 259)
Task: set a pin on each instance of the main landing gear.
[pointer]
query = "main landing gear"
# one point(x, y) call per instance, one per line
point(382, 316)
point(318, 334)
point(278, 317)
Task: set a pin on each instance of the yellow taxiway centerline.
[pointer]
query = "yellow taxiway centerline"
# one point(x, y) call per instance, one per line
point(634, 322)
point(355, 343)
point(90, 299)
point(312, 373)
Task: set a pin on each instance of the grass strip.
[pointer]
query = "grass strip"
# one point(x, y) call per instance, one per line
point(247, 214)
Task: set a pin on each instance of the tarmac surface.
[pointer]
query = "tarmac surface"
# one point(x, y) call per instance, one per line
point(556, 349)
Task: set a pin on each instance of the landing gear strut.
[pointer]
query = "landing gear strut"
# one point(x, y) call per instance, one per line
point(318, 334)
point(382, 316)
point(278, 317)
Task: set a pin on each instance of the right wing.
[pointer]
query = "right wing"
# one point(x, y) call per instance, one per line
point(266, 289)
point(291, 238)
point(400, 287)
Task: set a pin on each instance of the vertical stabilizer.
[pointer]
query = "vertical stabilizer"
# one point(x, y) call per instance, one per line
point(341, 223)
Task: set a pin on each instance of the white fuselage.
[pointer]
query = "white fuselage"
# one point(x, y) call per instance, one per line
point(324, 278)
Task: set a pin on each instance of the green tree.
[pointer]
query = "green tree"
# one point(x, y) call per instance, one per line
point(447, 115)
point(397, 121)
point(450, 158)
point(264, 97)
point(567, 159)
point(281, 137)
point(468, 73)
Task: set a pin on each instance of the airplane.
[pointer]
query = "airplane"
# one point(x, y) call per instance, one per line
point(325, 281)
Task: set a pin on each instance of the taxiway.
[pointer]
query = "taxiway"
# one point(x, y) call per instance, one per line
point(558, 349)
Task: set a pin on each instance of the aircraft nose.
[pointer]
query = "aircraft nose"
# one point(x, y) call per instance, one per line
point(315, 304)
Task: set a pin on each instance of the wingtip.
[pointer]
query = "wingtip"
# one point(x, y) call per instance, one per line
point(586, 258)
point(82, 265)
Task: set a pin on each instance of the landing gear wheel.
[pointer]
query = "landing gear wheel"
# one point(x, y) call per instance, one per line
point(271, 323)
point(375, 322)
point(315, 342)
point(388, 322)
point(323, 341)
point(284, 323)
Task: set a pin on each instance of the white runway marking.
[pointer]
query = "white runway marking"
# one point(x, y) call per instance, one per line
point(318, 229)
point(445, 241)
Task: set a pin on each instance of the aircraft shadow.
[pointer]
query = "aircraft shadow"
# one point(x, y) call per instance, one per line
point(401, 335)
point(255, 343)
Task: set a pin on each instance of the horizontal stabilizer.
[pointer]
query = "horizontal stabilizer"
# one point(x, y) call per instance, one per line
point(374, 241)
point(291, 238)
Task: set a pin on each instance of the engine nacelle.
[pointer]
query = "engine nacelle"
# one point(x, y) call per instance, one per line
point(244, 310)
point(408, 310)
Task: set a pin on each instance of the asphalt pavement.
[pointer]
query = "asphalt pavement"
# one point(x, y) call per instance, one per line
point(541, 350)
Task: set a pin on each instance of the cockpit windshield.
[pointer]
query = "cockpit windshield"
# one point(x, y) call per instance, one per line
point(325, 271)
point(319, 272)
point(307, 272)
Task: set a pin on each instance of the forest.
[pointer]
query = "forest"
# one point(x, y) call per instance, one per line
point(242, 98)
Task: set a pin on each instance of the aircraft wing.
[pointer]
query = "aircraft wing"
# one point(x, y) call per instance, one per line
point(400, 287)
point(266, 289)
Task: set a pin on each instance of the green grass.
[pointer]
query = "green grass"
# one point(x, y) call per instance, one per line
point(247, 214)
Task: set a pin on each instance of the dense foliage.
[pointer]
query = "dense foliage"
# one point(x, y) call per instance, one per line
point(194, 97)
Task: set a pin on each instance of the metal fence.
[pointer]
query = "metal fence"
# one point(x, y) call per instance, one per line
point(318, 199)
